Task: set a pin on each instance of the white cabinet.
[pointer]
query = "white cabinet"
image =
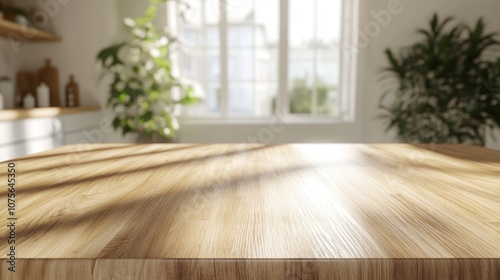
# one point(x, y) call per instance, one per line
point(32, 135)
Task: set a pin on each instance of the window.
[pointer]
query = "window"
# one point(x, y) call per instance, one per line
point(259, 58)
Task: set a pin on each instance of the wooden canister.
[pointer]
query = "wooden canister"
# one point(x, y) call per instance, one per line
point(50, 76)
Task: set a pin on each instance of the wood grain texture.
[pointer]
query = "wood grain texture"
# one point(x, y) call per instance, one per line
point(319, 211)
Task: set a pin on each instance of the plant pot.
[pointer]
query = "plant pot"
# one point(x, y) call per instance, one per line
point(155, 138)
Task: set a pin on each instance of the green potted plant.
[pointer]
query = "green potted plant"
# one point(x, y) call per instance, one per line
point(448, 89)
point(143, 92)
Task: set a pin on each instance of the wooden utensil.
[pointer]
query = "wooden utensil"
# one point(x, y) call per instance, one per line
point(72, 93)
point(50, 76)
point(8, 14)
point(26, 82)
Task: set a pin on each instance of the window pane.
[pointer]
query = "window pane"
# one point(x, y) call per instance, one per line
point(300, 97)
point(327, 102)
point(212, 37)
point(265, 99)
point(253, 34)
point(200, 37)
point(327, 81)
point(192, 15)
point(301, 65)
point(301, 73)
point(253, 28)
point(266, 19)
point(239, 11)
point(329, 22)
point(241, 36)
point(241, 98)
point(327, 66)
point(191, 63)
point(213, 98)
point(212, 66)
point(191, 37)
point(211, 104)
point(212, 12)
point(251, 25)
point(314, 59)
point(301, 23)
point(241, 65)
point(266, 64)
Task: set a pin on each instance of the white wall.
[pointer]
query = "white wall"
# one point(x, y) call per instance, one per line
point(8, 60)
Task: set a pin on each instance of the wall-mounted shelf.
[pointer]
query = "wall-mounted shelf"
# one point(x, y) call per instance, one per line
point(19, 114)
point(9, 28)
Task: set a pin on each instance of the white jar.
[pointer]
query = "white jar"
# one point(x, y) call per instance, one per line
point(7, 90)
point(29, 101)
point(43, 95)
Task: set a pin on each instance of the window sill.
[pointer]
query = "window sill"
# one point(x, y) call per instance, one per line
point(262, 120)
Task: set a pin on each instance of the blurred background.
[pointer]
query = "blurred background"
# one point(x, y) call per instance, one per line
point(248, 71)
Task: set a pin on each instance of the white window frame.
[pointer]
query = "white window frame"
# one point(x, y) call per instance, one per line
point(347, 80)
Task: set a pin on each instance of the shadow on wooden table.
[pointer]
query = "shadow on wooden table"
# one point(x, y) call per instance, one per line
point(165, 203)
point(465, 152)
point(120, 152)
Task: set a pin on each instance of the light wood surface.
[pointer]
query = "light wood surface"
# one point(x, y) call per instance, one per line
point(19, 114)
point(18, 32)
point(318, 211)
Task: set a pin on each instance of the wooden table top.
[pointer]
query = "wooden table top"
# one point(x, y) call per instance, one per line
point(303, 202)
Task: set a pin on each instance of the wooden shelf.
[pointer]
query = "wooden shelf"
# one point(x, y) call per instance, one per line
point(19, 114)
point(9, 28)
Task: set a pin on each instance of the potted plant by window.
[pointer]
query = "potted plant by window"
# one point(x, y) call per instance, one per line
point(448, 90)
point(143, 92)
